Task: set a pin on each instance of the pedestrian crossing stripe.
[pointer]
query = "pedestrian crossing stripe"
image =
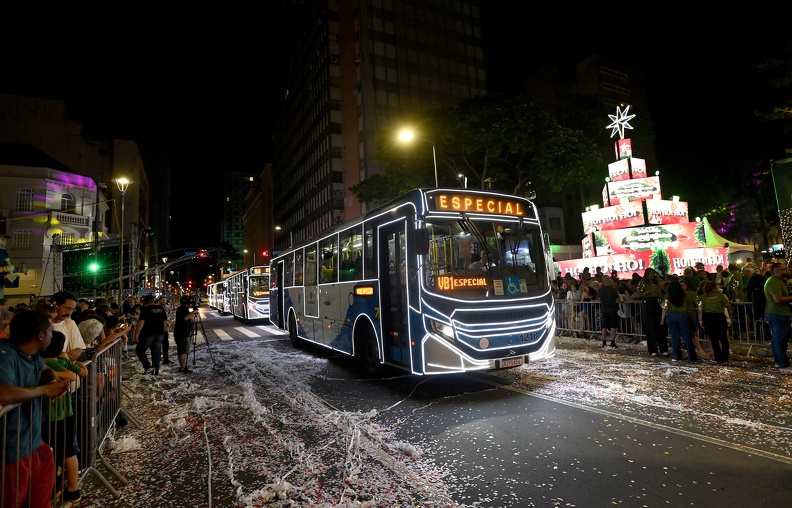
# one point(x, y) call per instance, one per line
point(262, 331)
point(271, 330)
point(247, 331)
point(222, 335)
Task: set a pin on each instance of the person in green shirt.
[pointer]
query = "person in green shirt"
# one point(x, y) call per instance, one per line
point(675, 313)
point(691, 306)
point(58, 419)
point(777, 315)
point(713, 306)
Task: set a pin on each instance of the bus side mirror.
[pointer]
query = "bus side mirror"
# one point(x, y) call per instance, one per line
point(421, 242)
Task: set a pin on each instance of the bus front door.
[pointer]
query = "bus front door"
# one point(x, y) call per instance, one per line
point(393, 280)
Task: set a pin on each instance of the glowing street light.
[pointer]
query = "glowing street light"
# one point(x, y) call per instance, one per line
point(408, 135)
point(254, 257)
point(123, 184)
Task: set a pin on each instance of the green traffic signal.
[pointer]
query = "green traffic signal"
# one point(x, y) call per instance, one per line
point(93, 267)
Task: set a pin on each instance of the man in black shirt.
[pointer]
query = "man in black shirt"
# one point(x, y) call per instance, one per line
point(609, 311)
point(149, 333)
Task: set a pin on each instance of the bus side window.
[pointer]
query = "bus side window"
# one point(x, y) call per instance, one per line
point(328, 267)
point(359, 264)
point(348, 269)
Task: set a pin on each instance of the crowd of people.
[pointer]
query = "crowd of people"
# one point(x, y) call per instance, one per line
point(44, 356)
point(684, 308)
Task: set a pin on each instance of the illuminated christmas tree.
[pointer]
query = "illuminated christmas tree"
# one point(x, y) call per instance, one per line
point(636, 228)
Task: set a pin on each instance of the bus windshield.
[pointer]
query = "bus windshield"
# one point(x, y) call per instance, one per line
point(484, 259)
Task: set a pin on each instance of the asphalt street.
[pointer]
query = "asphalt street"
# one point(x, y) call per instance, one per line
point(260, 424)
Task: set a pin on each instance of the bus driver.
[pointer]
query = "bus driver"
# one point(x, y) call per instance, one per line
point(482, 264)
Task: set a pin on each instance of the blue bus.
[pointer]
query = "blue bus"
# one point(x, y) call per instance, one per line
point(404, 285)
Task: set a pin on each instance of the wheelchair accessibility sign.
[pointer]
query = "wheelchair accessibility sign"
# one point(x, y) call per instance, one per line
point(512, 284)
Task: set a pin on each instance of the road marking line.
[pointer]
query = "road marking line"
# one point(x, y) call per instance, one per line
point(247, 331)
point(271, 330)
point(222, 335)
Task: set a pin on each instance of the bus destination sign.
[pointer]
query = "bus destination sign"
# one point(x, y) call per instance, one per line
point(455, 282)
point(461, 202)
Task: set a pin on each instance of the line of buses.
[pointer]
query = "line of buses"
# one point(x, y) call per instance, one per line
point(404, 285)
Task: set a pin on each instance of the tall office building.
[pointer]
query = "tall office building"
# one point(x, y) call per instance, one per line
point(352, 71)
point(235, 187)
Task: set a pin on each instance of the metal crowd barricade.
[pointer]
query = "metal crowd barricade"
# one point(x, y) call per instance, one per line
point(747, 328)
point(98, 404)
point(582, 319)
point(11, 447)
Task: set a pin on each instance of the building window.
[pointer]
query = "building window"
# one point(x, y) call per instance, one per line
point(67, 203)
point(24, 200)
point(67, 238)
point(22, 239)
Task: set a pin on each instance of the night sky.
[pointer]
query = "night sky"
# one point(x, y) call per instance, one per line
point(205, 92)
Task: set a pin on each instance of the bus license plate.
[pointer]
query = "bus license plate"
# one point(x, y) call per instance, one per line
point(512, 362)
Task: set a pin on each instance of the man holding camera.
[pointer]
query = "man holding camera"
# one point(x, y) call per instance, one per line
point(182, 329)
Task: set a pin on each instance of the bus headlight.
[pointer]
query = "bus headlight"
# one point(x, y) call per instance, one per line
point(443, 330)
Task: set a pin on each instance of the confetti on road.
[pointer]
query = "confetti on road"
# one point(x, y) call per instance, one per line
point(244, 429)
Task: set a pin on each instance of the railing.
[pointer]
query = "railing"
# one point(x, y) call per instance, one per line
point(583, 319)
point(71, 219)
point(96, 402)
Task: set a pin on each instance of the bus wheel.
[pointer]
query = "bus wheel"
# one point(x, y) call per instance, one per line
point(295, 340)
point(367, 354)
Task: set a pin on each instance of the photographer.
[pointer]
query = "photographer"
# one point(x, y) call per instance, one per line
point(182, 330)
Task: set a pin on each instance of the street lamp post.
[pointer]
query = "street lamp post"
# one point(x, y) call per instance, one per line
point(408, 135)
point(254, 257)
point(123, 184)
point(99, 188)
point(162, 277)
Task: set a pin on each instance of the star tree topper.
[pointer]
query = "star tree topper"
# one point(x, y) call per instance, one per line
point(620, 121)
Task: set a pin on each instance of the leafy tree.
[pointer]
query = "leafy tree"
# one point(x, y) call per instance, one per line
point(778, 72)
point(500, 142)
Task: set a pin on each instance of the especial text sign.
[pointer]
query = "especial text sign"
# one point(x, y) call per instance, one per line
point(474, 203)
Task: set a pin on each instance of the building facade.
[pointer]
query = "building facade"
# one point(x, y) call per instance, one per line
point(38, 140)
point(236, 186)
point(353, 71)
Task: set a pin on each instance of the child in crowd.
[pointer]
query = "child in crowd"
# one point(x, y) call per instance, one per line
point(58, 422)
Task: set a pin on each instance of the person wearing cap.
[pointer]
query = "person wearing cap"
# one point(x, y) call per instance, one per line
point(149, 331)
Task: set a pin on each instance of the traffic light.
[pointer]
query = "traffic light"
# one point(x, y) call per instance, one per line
point(93, 266)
